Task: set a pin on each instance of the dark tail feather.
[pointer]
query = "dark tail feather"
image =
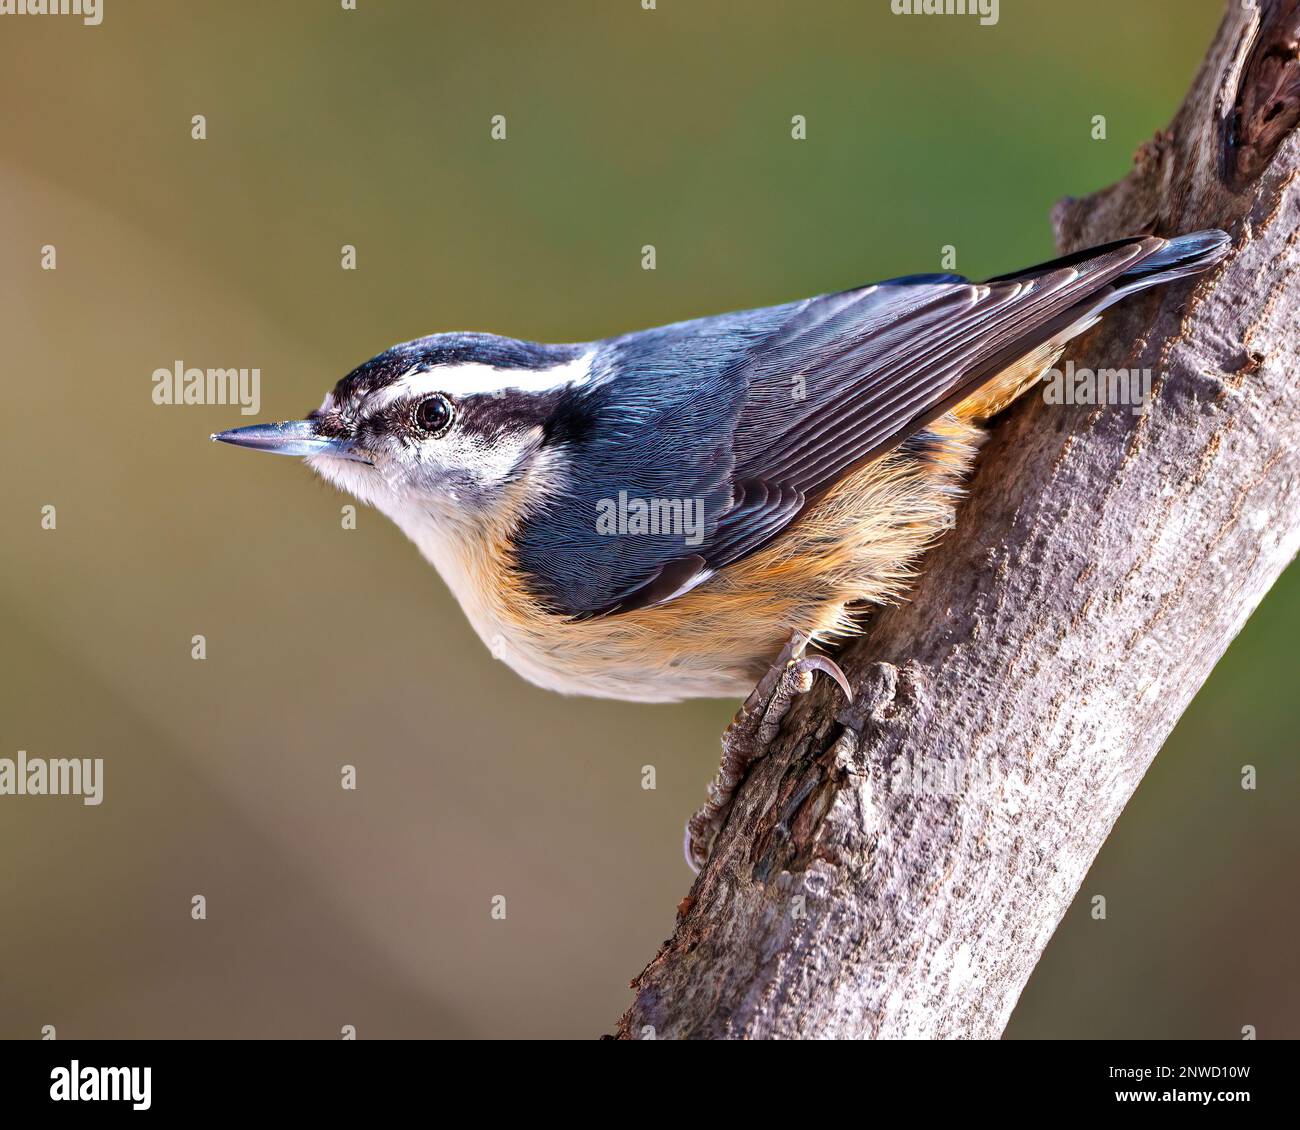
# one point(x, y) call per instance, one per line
point(1177, 258)
point(1182, 256)
point(1170, 259)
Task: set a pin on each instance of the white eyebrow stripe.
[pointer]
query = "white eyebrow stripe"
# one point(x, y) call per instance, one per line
point(472, 377)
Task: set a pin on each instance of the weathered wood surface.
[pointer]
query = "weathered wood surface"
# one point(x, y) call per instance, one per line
point(895, 868)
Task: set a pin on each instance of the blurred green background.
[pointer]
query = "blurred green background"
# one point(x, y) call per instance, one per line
point(329, 647)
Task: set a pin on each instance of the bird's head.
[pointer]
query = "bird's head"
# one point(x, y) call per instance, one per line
point(438, 428)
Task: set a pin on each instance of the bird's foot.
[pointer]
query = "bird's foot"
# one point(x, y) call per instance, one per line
point(747, 739)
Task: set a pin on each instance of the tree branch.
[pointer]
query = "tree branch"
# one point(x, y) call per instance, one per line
point(896, 869)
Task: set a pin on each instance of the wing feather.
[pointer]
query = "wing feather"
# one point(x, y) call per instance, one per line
point(782, 403)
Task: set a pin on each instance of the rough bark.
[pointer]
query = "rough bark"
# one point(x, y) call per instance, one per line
point(895, 868)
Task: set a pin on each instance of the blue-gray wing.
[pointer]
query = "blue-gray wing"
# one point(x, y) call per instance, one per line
point(651, 430)
point(696, 444)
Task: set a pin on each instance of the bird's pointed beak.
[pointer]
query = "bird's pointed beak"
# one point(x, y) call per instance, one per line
point(291, 437)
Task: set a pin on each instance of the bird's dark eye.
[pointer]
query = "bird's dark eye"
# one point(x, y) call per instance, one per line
point(433, 414)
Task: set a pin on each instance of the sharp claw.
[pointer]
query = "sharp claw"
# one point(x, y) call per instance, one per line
point(688, 850)
point(747, 738)
point(791, 653)
point(829, 667)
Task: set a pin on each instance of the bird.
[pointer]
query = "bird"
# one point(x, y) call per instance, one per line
point(682, 511)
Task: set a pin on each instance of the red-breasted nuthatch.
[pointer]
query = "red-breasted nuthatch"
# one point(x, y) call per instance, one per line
point(653, 516)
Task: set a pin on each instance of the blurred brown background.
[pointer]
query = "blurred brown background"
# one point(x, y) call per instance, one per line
point(329, 647)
